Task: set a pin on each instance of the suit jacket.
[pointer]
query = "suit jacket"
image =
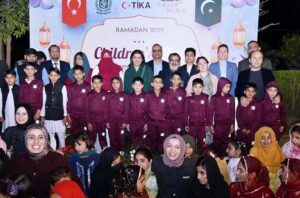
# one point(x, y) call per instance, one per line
point(231, 73)
point(64, 69)
point(244, 76)
point(165, 65)
point(244, 64)
point(184, 74)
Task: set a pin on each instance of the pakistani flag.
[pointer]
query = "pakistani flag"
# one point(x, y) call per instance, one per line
point(208, 12)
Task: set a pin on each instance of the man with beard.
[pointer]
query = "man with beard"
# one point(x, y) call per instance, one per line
point(166, 73)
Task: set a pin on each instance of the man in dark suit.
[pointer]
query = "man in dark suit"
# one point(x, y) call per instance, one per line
point(166, 73)
point(189, 68)
point(54, 61)
point(157, 64)
point(244, 64)
point(255, 74)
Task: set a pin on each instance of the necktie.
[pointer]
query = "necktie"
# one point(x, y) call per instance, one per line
point(55, 65)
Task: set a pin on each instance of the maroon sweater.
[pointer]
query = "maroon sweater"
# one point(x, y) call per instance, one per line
point(96, 106)
point(32, 93)
point(222, 109)
point(77, 96)
point(137, 111)
point(176, 101)
point(117, 107)
point(273, 114)
point(157, 106)
point(38, 170)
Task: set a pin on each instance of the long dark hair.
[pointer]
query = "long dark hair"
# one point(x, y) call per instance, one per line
point(137, 52)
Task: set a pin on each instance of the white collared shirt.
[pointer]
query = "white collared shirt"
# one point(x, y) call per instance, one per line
point(57, 65)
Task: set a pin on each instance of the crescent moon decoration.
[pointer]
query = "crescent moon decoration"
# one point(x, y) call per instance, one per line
point(204, 4)
point(79, 4)
point(68, 3)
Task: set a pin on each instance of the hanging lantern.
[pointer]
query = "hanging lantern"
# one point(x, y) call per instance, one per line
point(45, 35)
point(239, 35)
point(214, 51)
point(64, 51)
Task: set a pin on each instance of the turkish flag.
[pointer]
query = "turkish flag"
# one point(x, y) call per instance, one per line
point(74, 12)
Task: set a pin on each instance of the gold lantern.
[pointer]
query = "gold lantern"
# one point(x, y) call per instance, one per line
point(45, 35)
point(214, 51)
point(239, 35)
point(64, 51)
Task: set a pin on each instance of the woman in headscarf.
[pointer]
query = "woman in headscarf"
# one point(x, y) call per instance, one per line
point(210, 182)
point(81, 59)
point(252, 180)
point(14, 136)
point(38, 161)
point(173, 171)
point(106, 68)
point(291, 149)
point(210, 81)
point(109, 168)
point(268, 151)
point(290, 188)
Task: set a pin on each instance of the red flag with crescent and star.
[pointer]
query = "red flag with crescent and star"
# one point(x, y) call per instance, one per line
point(74, 12)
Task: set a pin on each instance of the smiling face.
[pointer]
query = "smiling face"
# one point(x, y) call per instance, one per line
point(78, 60)
point(202, 65)
point(266, 140)
point(197, 89)
point(137, 59)
point(256, 59)
point(36, 141)
point(189, 57)
point(21, 115)
point(78, 75)
point(142, 161)
point(176, 80)
point(250, 92)
point(157, 52)
point(54, 53)
point(173, 149)
point(174, 63)
point(223, 54)
point(137, 86)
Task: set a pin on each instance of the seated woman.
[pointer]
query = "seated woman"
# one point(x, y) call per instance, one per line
point(290, 178)
point(210, 182)
point(268, 151)
point(252, 180)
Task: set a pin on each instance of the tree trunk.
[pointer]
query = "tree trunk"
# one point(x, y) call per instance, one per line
point(8, 51)
point(1, 50)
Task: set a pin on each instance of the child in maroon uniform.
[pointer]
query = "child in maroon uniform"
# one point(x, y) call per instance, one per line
point(117, 114)
point(137, 125)
point(249, 117)
point(222, 115)
point(273, 114)
point(77, 96)
point(196, 112)
point(31, 90)
point(157, 112)
point(96, 111)
point(176, 101)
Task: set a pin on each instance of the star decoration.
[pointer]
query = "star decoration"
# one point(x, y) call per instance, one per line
point(211, 10)
point(74, 12)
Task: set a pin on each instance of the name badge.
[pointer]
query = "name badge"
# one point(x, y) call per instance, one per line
point(277, 106)
point(34, 86)
point(253, 108)
point(121, 99)
point(228, 101)
point(142, 100)
point(162, 100)
point(82, 90)
point(103, 97)
point(185, 177)
point(202, 102)
point(179, 98)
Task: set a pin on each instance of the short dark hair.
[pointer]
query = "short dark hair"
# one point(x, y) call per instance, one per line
point(252, 41)
point(177, 74)
point(197, 81)
point(97, 77)
point(83, 136)
point(223, 45)
point(190, 49)
point(138, 79)
point(53, 69)
point(41, 55)
point(49, 49)
point(115, 78)
point(59, 173)
point(174, 54)
point(144, 151)
point(202, 57)
point(10, 72)
point(78, 67)
point(250, 85)
point(157, 77)
point(239, 145)
point(30, 51)
point(30, 64)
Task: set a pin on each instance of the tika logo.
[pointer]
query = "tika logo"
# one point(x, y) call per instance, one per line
point(135, 5)
point(103, 6)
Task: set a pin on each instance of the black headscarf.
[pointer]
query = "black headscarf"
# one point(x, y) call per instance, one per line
point(217, 185)
point(104, 173)
point(30, 113)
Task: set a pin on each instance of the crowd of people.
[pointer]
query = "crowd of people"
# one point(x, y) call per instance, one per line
point(68, 132)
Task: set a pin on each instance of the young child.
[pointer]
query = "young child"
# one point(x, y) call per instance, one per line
point(84, 161)
point(77, 96)
point(117, 114)
point(176, 101)
point(157, 113)
point(9, 99)
point(273, 114)
point(54, 111)
point(196, 112)
point(222, 116)
point(249, 117)
point(137, 112)
point(96, 111)
point(31, 90)
point(190, 148)
point(235, 151)
point(291, 149)
point(63, 185)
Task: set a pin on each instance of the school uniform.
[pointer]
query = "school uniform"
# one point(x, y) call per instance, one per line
point(157, 113)
point(176, 101)
point(196, 115)
point(117, 115)
point(32, 93)
point(77, 96)
point(54, 110)
point(137, 115)
point(248, 118)
point(96, 114)
point(9, 99)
